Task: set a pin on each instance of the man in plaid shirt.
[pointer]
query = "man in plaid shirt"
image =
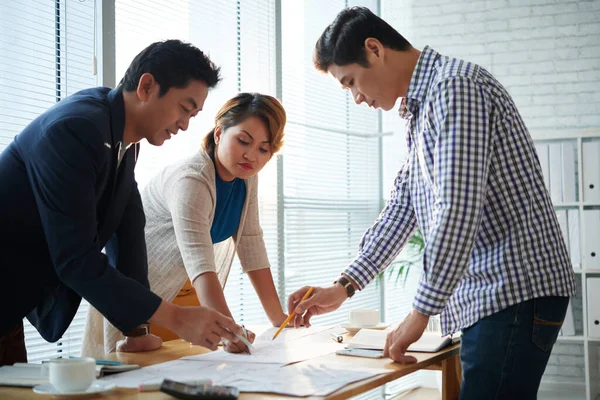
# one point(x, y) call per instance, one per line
point(494, 264)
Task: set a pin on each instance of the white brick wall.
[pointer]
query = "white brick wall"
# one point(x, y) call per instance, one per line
point(566, 361)
point(546, 52)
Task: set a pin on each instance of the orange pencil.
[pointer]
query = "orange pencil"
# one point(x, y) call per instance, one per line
point(288, 319)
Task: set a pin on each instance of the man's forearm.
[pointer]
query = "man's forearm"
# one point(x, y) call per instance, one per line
point(166, 315)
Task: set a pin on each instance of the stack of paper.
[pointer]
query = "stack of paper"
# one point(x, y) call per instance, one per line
point(24, 375)
point(30, 375)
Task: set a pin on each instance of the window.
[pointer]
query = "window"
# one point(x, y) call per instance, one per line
point(331, 177)
point(46, 54)
point(239, 36)
point(316, 199)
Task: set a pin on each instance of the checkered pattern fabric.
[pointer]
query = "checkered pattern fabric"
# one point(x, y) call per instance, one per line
point(473, 185)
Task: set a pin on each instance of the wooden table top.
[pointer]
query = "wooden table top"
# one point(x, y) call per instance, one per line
point(176, 349)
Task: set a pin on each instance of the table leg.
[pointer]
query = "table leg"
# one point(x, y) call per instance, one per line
point(451, 378)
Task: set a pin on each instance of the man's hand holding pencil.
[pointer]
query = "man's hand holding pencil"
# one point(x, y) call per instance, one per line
point(319, 301)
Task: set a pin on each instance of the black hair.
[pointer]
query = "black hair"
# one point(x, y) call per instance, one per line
point(343, 42)
point(173, 63)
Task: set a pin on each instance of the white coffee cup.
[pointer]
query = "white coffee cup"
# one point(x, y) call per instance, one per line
point(363, 318)
point(72, 374)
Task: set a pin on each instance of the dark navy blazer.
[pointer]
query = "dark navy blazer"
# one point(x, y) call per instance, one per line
point(62, 200)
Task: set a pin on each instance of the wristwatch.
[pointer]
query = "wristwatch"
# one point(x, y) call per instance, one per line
point(141, 330)
point(347, 285)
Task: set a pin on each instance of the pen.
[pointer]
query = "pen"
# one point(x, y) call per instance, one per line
point(246, 334)
point(149, 387)
point(293, 313)
point(336, 337)
point(243, 339)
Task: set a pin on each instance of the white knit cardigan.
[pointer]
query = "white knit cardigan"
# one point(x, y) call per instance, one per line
point(179, 204)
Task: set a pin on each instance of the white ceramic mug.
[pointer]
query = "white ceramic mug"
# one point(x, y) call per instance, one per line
point(363, 318)
point(72, 374)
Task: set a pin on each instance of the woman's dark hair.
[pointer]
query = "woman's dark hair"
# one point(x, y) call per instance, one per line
point(343, 42)
point(245, 105)
point(173, 63)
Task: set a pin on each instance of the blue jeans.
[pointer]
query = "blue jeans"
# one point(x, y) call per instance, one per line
point(504, 355)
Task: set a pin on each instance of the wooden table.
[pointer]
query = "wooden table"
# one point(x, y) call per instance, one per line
point(446, 360)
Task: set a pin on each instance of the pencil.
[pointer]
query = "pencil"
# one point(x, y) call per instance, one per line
point(288, 319)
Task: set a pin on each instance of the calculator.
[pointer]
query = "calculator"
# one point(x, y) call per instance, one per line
point(198, 392)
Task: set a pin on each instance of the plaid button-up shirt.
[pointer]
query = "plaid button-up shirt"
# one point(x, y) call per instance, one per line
point(473, 184)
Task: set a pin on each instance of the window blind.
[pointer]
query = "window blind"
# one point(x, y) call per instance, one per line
point(239, 37)
point(331, 182)
point(46, 52)
point(256, 72)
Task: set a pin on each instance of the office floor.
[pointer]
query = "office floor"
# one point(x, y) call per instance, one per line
point(419, 394)
point(434, 394)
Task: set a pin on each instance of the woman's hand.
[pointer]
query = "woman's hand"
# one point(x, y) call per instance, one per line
point(239, 347)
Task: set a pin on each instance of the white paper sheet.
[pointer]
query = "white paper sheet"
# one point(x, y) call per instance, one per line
point(302, 379)
point(186, 371)
point(267, 358)
point(265, 352)
point(291, 346)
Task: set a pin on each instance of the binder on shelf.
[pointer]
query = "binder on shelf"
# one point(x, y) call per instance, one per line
point(542, 152)
point(574, 247)
point(561, 215)
point(593, 307)
point(569, 176)
point(591, 239)
point(568, 328)
point(555, 163)
point(591, 171)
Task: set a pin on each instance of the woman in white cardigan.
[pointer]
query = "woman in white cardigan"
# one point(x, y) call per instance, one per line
point(200, 212)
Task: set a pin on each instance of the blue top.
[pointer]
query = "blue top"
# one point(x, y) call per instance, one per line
point(228, 211)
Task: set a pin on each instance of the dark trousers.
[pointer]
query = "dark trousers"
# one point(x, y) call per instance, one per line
point(504, 355)
point(12, 346)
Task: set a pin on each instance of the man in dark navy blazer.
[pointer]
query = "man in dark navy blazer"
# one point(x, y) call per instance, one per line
point(67, 191)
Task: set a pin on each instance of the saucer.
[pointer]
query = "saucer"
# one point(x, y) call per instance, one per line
point(354, 329)
point(95, 387)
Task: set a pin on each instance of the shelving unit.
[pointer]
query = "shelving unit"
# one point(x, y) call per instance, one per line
point(567, 359)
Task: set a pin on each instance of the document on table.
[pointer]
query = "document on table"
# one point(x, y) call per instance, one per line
point(263, 371)
point(302, 379)
point(186, 371)
point(274, 353)
point(293, 347)
point(21, 374)
point(296, 380)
